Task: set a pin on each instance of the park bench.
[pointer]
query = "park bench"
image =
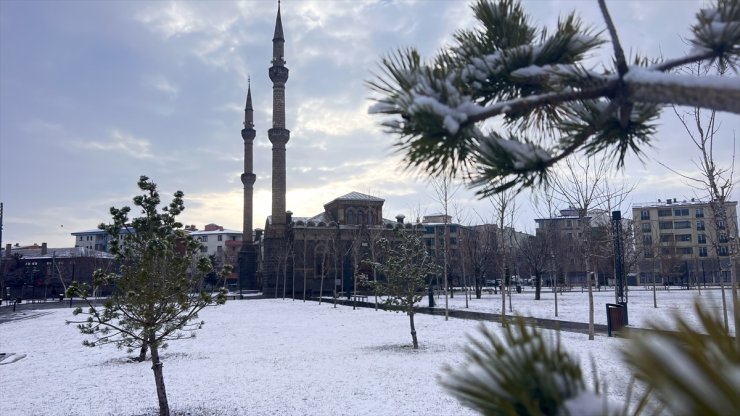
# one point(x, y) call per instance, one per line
point(359, 298)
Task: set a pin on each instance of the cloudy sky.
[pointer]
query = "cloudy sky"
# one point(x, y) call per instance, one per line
point(94, 94)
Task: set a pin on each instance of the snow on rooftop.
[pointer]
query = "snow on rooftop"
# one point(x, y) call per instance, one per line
point(357, 196)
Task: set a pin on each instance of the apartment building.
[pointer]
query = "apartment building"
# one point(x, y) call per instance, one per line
point(683, 242)
point(567, 242)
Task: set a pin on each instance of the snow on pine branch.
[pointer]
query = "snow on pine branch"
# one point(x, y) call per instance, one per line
point(716, 92)
point(522, 155)
point(442, 98)
point(718, 28)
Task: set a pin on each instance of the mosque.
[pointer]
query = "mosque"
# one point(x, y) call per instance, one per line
point(297, 256)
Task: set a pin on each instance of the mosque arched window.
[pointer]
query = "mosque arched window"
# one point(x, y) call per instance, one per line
point(350, 216)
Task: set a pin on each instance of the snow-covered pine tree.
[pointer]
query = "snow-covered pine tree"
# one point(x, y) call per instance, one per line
point(523, 372)
point(159, 289)
point(549, 104)
point(405, 268)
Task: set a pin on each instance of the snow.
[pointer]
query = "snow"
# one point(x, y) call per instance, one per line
point(586, 403)
point(522, 154)
point(267, 357)
point(573, 305)
point(647, 76)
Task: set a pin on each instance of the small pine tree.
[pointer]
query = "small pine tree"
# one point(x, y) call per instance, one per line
point(685, 371)
point(522, 373)
point(405, 267)
point(158, 292)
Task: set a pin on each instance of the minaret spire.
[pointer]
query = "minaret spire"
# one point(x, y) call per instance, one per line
point(278, 26)
point(248, 110)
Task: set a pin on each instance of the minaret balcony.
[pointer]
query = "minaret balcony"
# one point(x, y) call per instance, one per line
point(278, 135)
point(278, 74)
point(248, 179)
point(248, 134)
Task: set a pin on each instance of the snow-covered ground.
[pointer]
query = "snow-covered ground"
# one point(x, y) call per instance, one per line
point(285, 357)
point(573, 305)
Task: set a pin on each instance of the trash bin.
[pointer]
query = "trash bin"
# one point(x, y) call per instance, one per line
point(615, 317)
point(518, 289)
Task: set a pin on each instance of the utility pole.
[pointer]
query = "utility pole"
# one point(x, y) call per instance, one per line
point(2, 268)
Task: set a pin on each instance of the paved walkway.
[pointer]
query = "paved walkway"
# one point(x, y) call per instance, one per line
point(27, 310)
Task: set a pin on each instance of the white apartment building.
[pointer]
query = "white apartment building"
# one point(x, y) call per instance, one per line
point(214, 239)
point(217, 241)
point(681, 242)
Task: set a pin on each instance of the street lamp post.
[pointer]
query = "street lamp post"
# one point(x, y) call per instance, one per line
point(554, 278)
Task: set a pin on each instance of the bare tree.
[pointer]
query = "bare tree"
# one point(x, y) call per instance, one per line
point(445, 188)
point(715, 179)
point(533, 252)
point(504, 208)
point(581, 186)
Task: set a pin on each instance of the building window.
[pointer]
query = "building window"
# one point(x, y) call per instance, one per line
point(350, 217)
point(665, 212)
point(700, 225)
point(681, 212)
point(721, 224)
point(204, 239)
point(682, 225)
point(666, 225)
point(203, 249)
point(723, 238)
point(645, 214)
point(645, 227)
point(453, 241)
point(702, 251)
point(685, 250)
point(683, 237)
point(667, 251)
point(647, 253)
point(219, 249)
point(700, 213)
point(568, 223)
point(666, 238)
point(647, 240)
point(723, 251)
point(701, 238)
point(220, 237)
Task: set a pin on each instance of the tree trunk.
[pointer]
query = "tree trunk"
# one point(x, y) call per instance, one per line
point(655, 296)
point(503, 301)
point(590, 307)
point(142, 351)
point(413, 330)
point(724, 300)
point(538, 286)
point(164, 408)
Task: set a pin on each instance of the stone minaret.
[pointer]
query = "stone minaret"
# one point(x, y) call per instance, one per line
point(248, 251)
point(276, 249)
point(278, 134)
point(248, 177)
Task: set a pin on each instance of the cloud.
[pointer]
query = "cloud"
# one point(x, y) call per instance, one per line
point(171, 19)
point(214, 35)
point(332, 118)
point(121, 143)
point(164, 85)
